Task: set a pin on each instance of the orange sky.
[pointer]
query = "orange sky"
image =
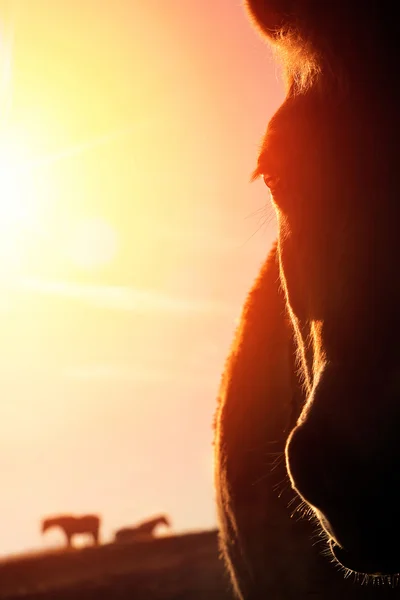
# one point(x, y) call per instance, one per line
point(128, 132)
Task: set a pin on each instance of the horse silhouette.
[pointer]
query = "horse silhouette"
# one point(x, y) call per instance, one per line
point(313, 374)
point(143, 531)
point(72, 525)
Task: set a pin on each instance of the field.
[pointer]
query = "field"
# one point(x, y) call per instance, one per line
point(185, 567)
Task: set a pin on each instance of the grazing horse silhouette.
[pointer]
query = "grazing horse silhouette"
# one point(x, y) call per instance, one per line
point(72, 525)
point(143, 531)
point(314, 374)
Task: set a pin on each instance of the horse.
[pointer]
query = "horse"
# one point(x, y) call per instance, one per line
point(72, 525)
point(313, 378)
point(143, 531)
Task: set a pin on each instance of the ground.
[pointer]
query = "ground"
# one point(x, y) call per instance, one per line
point(185, 567)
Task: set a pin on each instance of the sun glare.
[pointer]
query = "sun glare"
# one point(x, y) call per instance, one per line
point(18, 201)
point(13, 206)
point(94, 244)
point(15, 195)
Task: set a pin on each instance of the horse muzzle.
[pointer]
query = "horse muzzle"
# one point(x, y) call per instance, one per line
point(377, 562)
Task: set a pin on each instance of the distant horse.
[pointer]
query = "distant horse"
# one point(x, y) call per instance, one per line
point(143, 531)
point(313, 379)
point(71, 525)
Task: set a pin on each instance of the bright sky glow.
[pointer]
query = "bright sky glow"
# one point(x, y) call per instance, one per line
point(128, 133)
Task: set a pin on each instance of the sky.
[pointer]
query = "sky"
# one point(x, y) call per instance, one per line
point(129, 236)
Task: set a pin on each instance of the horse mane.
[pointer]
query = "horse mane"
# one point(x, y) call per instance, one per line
point(320, 41)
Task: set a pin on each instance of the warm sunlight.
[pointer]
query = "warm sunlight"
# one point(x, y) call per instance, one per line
point(18, 201)
point(15, 195)
point(125, 254)
point(94, 243)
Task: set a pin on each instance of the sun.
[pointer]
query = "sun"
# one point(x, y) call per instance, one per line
point(14, 195)
point(18, 201)
point(24, 197)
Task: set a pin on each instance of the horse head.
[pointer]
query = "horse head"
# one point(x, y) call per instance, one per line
point(330, 161)
point(165, 520)
point(46, 524)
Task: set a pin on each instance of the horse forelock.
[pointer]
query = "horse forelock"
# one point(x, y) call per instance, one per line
point(329, 44)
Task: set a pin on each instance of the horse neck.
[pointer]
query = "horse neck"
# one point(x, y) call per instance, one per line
point(53, 522)
point(150, 525)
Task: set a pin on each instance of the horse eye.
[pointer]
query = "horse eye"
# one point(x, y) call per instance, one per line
point(271, 181)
